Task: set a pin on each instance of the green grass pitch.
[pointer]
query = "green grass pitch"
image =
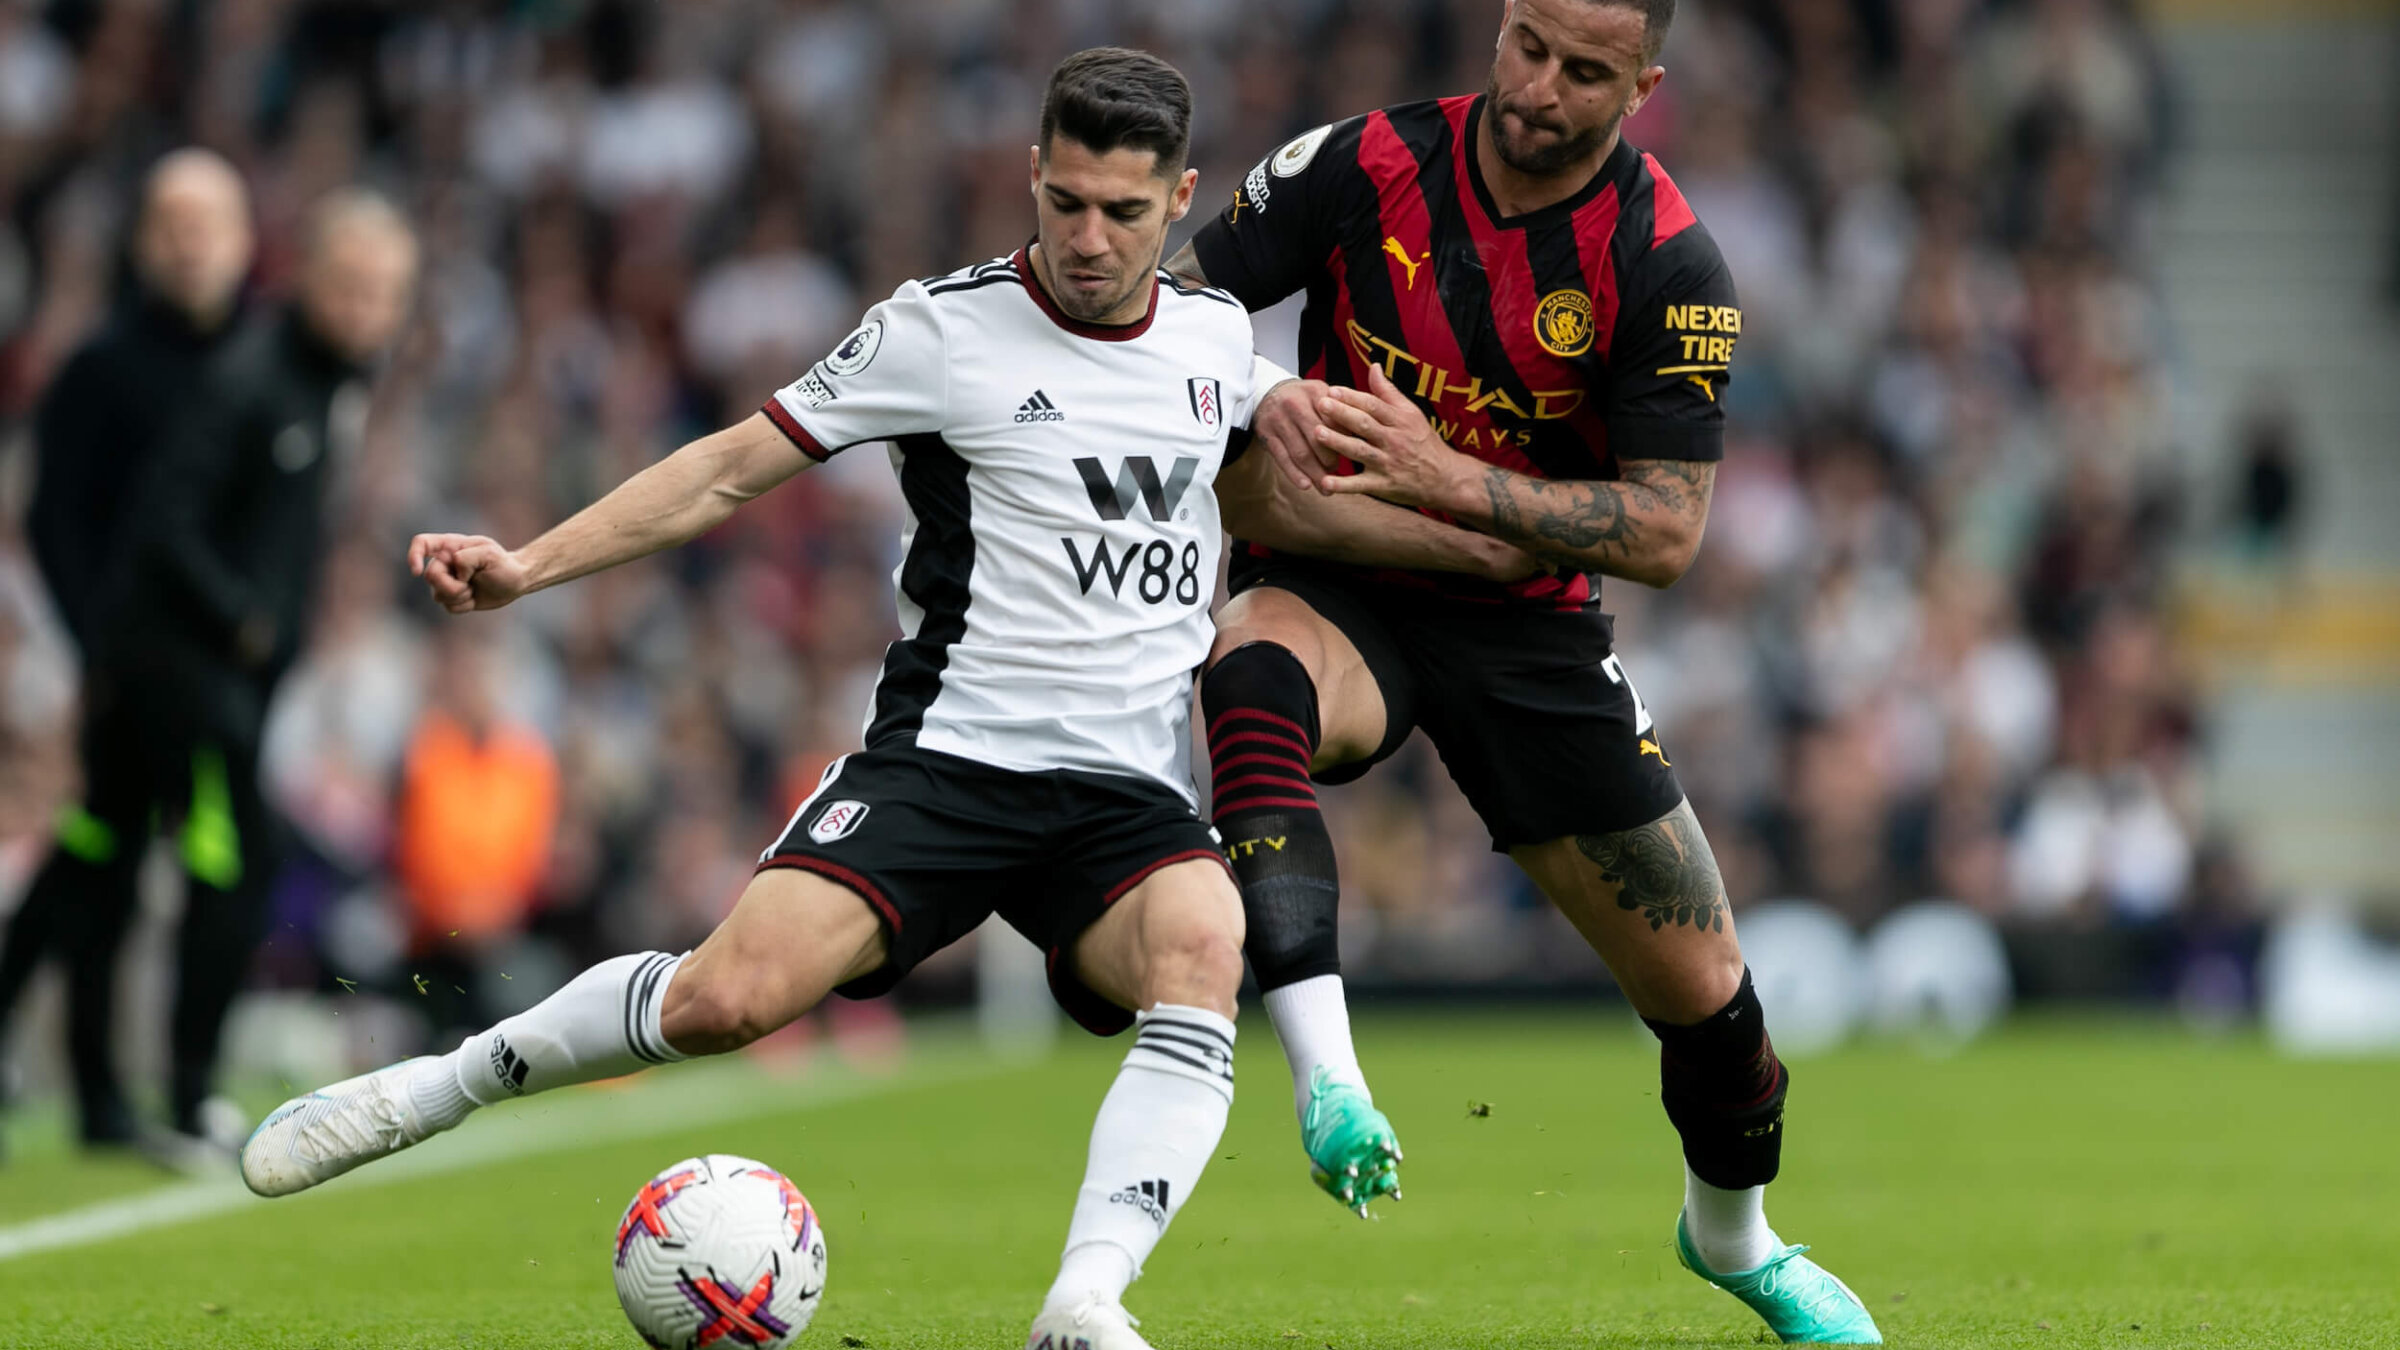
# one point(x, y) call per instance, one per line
point(2063, 1184)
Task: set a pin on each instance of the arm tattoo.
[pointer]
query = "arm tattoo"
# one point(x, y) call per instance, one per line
point(1576, 515)
point(1506, 518)
point(1674, 482)
point(1186, 264)
point(1664, 869)
point(1573, 521)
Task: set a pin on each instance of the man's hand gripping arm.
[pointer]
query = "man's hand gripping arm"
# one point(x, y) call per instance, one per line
point(1644, 527)
point(1261, 504)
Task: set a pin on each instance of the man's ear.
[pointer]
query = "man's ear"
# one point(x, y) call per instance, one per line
point(1033, 159)
point(1644, 85)
point(1180, 204)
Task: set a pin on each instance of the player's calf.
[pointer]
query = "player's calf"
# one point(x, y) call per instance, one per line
point(1263, 729)
point(1185, 947)
point(788, 941)
point(603, 1023)
point(1261, 708)
point(1263, 733)
point(1651, 903)
point(1178, 933)
point(1723, 1088)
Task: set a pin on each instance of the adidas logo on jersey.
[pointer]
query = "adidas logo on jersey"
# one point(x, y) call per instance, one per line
point(1150, 1197)
point(1039, 408)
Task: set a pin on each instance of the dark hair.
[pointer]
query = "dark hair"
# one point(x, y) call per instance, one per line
point(1105, 98)
point(1657, 17)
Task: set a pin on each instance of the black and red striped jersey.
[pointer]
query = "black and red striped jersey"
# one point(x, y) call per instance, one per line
point(1558, 343)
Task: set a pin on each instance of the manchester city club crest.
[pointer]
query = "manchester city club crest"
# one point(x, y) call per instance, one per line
point(1562, 323)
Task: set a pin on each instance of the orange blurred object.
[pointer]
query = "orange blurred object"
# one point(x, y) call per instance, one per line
point(477, 814)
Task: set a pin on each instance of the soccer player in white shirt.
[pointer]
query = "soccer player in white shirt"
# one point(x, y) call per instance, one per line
point(1061, 422)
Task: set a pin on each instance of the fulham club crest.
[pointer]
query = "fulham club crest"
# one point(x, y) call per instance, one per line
point(1207, 400)
point(837, 821)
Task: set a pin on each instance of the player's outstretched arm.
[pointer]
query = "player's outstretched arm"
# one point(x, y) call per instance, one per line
point(1645, 527)
point(672, 502)
point(1260, 505)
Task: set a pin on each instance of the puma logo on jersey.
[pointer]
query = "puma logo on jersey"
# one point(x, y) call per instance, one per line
point(1650, 747)
point(1705, 386)
point(1039, 408)
point(1393, 246)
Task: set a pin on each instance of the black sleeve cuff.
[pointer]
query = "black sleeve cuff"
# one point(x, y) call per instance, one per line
point(1222, 264)
point(1634, 437)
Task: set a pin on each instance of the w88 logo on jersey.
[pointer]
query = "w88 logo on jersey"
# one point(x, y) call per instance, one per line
point(1157, 570)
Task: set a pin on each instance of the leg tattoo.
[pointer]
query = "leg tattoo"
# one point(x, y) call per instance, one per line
point(1663, 869)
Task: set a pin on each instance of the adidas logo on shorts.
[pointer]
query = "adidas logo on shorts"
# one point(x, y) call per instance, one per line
point(1039, 408)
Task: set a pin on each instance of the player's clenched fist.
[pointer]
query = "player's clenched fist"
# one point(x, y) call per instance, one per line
point(466, 572)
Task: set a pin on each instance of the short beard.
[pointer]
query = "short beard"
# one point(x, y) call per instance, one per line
point(1075, 308)
point(1551, 160)
point(1072, 305)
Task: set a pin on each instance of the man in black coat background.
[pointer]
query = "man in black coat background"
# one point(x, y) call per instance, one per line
point(98, 432)
point(198, 614)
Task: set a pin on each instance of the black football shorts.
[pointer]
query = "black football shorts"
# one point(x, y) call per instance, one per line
point(936, 844)
point(1530, 709)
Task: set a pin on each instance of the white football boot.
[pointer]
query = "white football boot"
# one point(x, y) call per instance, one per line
point(318, 1137)
point(1088, 1324)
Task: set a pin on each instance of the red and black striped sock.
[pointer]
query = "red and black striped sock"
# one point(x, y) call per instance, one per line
point(1262, 732)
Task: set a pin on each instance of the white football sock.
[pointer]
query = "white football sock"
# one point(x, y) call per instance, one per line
point(602, 1024)
point(1313, 1021)
point(1156, 1128)
point(1728, 1228)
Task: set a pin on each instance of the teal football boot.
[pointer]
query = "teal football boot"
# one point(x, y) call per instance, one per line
point(1353, 1155)
point(1802, 1301)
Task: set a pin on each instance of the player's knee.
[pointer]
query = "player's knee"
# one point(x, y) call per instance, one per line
point(1195, 956)
point(708, 1012)
point(1694, 989)
point(1265, 675)
point(1723, 1088)
point(1202, 969)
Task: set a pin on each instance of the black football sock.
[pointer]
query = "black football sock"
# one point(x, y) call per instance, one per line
point(1261, 708)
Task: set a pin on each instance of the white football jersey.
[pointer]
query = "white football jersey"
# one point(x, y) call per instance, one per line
point(1060, 548)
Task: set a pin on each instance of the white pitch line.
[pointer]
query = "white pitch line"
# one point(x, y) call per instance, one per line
point(709, 1093)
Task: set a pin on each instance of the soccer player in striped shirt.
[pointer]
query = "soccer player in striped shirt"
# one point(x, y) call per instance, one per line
point(1060, 421)
point(1530, 333)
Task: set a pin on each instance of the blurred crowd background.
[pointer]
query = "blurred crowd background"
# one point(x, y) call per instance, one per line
point(1924, 652)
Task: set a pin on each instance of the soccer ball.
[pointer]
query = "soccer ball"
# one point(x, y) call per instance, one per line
point(720, 1251)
